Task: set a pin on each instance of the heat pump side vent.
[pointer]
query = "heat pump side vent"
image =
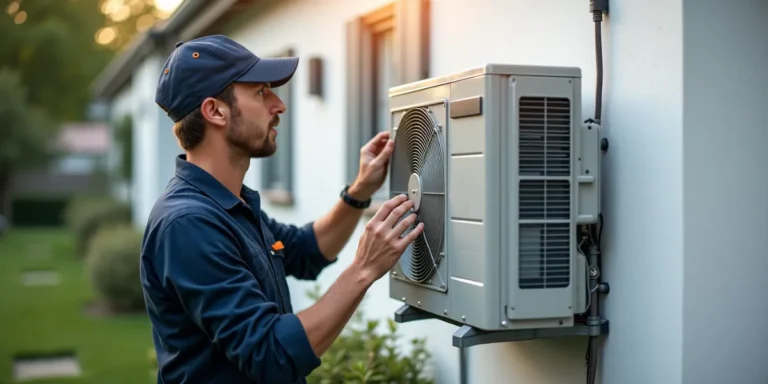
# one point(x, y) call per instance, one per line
point(544, 192)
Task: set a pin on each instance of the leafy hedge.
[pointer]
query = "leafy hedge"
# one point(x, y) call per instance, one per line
point(363, 355)
point(113, 267)
point(85, 215)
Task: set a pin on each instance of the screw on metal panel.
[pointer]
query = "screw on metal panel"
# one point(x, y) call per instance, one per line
point(418, 303)
point(504, 323)
point(394, 273)
point(445, 311)
point(403, 298)
point(463, 318)
point(441, 255)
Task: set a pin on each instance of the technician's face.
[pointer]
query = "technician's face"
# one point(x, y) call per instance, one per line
point(254, 120)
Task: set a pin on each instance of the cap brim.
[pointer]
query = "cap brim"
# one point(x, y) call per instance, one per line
point(274, 70)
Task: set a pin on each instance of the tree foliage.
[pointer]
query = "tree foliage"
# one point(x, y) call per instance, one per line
point(53, 44)
point(25, 131)
point(50, 53)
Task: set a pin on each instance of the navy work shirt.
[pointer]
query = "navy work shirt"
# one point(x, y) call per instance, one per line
point(214, 278)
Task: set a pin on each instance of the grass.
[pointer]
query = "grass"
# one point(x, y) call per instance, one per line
point(51, 319)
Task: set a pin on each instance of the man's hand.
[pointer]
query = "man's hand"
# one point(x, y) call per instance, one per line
point(380, 247)
point(374, 163)
point(383, 242)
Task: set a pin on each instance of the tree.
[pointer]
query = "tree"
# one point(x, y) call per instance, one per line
point(60, 46)
point(50, 53)
point(51, 44)
point(25, 136)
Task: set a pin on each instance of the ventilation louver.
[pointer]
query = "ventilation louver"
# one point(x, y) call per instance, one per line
point(418, 170)
point(545, 192)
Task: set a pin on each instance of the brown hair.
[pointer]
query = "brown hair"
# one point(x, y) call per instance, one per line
point(190, 130)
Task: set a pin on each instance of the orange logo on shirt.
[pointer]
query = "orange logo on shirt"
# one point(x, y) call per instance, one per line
point(278, 245)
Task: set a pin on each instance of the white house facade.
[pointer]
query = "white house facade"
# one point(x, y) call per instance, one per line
point(685, 186)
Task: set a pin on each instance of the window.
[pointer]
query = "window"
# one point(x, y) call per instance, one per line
point(385, 48)
point(277, 170)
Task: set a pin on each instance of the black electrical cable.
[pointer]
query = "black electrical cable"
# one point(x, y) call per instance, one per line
point(598, 18)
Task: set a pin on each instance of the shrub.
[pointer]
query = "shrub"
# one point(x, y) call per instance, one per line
point(363, 355)
point(360, 355)
point(87, 214)
point(113, 267)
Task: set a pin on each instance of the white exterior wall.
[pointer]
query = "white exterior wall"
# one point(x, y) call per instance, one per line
point(671, 192)
point(153, 140)
point(643, 182)
point(119, 106)
point(726, 192)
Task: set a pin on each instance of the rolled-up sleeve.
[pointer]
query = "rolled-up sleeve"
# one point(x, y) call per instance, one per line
point(303, 258)
point(199, 262)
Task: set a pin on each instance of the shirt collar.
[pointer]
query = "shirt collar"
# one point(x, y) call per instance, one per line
point(205, 182)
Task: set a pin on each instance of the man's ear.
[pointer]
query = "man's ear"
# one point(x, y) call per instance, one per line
point(214, 112)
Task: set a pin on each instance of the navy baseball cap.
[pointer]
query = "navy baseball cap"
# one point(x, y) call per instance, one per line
point(203, 67)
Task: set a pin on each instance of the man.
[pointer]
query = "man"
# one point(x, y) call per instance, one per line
point(214, 265)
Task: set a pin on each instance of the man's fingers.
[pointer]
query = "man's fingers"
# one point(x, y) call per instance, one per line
point(382, 157)
point(377, 141)
point(397, 213)
point(405, 223)
point(388, 206)
point(411, 236)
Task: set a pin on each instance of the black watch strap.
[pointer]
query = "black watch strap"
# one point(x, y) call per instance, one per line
point(345, 197)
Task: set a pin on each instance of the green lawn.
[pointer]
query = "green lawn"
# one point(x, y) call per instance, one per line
point(51, 319)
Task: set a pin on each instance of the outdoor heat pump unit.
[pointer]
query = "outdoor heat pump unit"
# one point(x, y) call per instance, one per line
point(503, 172)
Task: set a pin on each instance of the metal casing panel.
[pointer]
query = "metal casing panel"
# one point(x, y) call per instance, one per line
point(589, 173)
point(473, 205)
point(551, 305)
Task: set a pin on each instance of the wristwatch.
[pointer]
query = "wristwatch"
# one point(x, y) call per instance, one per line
point(345, 197)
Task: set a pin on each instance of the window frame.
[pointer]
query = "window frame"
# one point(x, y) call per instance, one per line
point(409, 20)
point(283, 196)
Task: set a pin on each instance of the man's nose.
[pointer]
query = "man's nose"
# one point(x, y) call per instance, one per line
point(278, 107)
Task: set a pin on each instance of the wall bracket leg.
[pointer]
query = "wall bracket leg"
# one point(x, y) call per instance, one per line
point(468, 336)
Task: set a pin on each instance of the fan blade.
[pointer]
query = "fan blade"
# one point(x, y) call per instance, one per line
point(418, 126)
point(432, 213)
point(433, 172)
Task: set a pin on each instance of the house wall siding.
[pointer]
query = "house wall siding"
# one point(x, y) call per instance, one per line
point(643, 182)
point(120, 106)
point(726, 184)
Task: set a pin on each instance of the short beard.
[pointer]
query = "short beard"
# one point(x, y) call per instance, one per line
point(242, 145)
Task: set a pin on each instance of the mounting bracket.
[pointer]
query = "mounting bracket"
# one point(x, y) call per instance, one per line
point(468, 336)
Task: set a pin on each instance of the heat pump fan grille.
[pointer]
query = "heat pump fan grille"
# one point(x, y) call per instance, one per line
point(418, 170)
point(544, 193)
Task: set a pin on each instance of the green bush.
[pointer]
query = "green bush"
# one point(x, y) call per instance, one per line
point(361, 355)
point(85, 215)
point(113, 268)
